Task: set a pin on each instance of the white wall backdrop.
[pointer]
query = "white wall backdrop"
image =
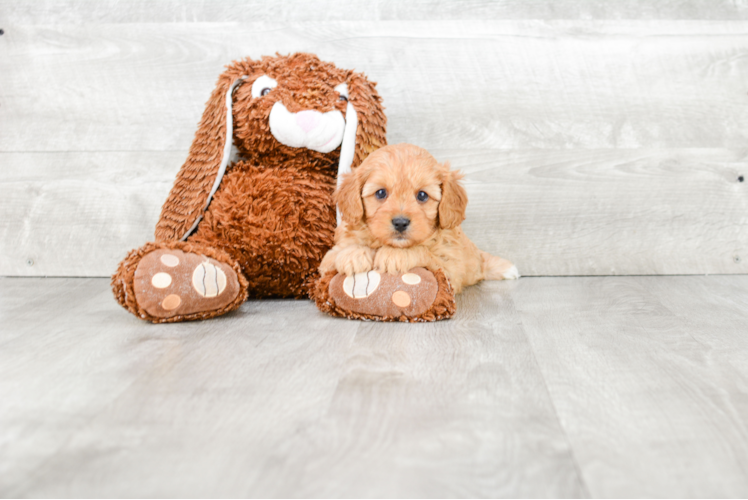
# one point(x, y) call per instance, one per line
point(598, 137)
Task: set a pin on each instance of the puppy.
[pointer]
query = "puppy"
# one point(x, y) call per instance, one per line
point(402, 209)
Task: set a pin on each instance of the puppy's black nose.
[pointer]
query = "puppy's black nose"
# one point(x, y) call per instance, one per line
point(400, 223)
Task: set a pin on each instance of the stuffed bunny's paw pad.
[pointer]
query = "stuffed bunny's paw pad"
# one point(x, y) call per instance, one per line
point(172, 282)
point(385, 295)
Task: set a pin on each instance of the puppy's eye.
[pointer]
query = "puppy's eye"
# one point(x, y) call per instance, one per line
point(422, 196)
point(343, 98)
point(265, 91)
point(381, 194)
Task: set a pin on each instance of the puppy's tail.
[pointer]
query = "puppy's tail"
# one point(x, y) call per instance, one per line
point(496, 268)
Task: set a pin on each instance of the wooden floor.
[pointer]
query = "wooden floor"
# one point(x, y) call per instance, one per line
point(603, 387)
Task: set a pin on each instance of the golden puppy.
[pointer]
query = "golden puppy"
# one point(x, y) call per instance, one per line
point(402, 209)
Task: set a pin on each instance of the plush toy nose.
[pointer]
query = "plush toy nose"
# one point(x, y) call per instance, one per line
point(400, 223)
point(308, 120)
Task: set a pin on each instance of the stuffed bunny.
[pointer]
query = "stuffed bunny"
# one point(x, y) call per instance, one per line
point(251, 213)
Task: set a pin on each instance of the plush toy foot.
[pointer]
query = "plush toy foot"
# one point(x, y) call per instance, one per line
point(416, 296)
point(167, 282)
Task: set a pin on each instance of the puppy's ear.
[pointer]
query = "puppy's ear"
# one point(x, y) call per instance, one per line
point(365, 127)
point(348, 199)
point(454, 199)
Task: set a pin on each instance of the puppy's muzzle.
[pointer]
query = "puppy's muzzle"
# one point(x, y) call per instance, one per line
point(400, 224)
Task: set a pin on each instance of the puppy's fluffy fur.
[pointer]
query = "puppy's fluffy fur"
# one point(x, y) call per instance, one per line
point(403, 185)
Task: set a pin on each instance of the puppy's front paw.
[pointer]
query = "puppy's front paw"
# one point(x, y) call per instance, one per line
point(328, 262)
point(354, 259)
point(391, 261)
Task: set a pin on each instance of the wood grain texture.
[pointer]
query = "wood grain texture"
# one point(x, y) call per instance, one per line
point(551, 387)
point(609, 212)
point(592, 146)
point(79, 213)
point(273, 400)
point(563, 212)
point(649, 377)
point(193, 11)
point(449, 84)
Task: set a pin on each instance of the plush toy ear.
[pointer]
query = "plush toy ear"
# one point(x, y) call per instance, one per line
point(209, 155)
point(366, 125)
point(454, 200)
point(371, 133)
point(348, 199)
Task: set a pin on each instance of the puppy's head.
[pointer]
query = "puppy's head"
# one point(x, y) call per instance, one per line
point(402, 195)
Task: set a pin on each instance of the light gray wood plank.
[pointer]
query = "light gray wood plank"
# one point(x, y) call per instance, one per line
point(647, 374)
point(714, 308)
point(609, 212)
point(76, 214)
point(274, 400)
point(649, 385)
point(562, 212)
point(449, 84)
point(191, 11)
point(185, 383)
point(463, 394)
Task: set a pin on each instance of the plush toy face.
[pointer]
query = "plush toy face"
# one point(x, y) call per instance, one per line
point(291, 106)
point(275, 112)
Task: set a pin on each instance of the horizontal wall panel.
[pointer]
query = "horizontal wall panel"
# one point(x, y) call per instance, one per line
point(553, 212)
point(192, 11)
point(77, 214)
point(456, 85)
point(610, 212)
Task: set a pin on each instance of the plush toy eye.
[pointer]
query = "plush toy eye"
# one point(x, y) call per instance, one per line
point(342, 89)
point(381, 194)
point(422, 196)
point(262, 86)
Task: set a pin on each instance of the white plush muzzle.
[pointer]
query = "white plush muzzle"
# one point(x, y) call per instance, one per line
point(322, 132)
point(310, 129)
point(317, 131)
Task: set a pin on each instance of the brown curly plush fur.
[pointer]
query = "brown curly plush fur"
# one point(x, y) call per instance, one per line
point(443, 307)
point(273, 215)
